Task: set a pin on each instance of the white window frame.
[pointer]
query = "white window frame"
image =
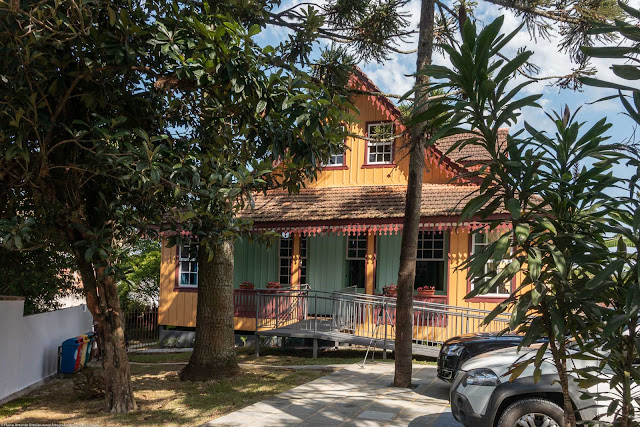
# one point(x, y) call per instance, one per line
point(190, 260)
point(474, 243)
point(388, 144)
point(333, 160)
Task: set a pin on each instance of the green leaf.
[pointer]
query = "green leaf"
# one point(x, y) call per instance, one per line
point(607, 52)
point(627, 72)
point(262, 104)
point(534, 261)
point(112, 16)
point(513, 205)
point(522, 232)
point(255, 29)
point(590, 81)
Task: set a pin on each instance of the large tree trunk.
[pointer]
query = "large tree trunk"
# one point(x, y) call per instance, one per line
point(103, 302)
point(408, 250)
point(214, 354)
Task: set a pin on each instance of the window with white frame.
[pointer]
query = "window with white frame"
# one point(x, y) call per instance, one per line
point(188, 265)
point(380, 149)
point(430, 260)
point(286, 259)
point(356, 260)
point(336, 160)
point(481, 240)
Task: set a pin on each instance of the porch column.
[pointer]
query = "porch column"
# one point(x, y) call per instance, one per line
point(295, 262)
point(370, 265)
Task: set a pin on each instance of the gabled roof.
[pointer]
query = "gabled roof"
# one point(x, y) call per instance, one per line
point(469, 153)
point(457, 158)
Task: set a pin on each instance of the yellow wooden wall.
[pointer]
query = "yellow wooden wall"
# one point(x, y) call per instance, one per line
point(458, 253)
point(179, 308)
point(176, 308)
point(355, 174)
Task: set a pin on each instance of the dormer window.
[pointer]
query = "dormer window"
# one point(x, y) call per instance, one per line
point(380, 145)
point(336, 160)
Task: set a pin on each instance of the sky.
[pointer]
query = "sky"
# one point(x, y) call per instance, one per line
point(394, 74)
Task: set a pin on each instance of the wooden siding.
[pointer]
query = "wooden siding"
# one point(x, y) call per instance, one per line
point(387, 260)
point(326, 258)
point(355, 174)
point(254, 262)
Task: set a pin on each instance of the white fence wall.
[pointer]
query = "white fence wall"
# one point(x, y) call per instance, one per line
point(29, 344)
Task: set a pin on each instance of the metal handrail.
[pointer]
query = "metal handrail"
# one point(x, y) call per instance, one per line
point(357, 314)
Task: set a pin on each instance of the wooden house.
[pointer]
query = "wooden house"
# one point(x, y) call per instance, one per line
point(344, 229)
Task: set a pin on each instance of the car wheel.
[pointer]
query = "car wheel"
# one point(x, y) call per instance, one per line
point(533, 412)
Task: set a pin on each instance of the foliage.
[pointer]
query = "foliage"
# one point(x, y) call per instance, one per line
point(621, 284)
point(548, 188)
point(141, 286)
point(119, 116)
point(42, 276)
point(88, 383)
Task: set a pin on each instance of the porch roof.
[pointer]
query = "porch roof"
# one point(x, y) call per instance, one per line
point(357, 203)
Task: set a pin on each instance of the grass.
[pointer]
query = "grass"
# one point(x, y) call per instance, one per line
point(279, 356)
point(14, 406)
point(162, 398)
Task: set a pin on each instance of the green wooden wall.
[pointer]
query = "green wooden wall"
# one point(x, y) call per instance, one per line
point(387, 260)
point(326, 263)
point(255, 262)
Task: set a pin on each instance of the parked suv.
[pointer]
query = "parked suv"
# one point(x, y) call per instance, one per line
point(482, 395)
point(457, 350)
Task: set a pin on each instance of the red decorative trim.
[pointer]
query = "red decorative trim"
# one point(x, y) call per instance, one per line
point(360, 81)
point(374, 225)
point(334, 168)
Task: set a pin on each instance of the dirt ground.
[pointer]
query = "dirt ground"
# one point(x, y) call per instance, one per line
point(162, 398)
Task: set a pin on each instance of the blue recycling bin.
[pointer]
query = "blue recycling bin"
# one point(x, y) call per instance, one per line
point(69, 355)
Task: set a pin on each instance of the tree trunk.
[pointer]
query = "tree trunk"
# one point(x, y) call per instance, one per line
point(214, 354)
point(559, 352)
point(102, 300)
point(408, 249)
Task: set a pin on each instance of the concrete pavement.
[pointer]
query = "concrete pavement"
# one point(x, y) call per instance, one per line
point(353, 396)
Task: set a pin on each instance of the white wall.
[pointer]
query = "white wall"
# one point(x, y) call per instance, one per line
point(29, 344)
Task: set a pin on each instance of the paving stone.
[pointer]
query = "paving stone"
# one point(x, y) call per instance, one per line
point(354, 396)
point(377, 415)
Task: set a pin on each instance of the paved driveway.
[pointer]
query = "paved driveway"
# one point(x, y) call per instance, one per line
point(353, 396)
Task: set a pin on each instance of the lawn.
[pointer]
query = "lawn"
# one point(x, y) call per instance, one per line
point(279, 356)
point(162, 398)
